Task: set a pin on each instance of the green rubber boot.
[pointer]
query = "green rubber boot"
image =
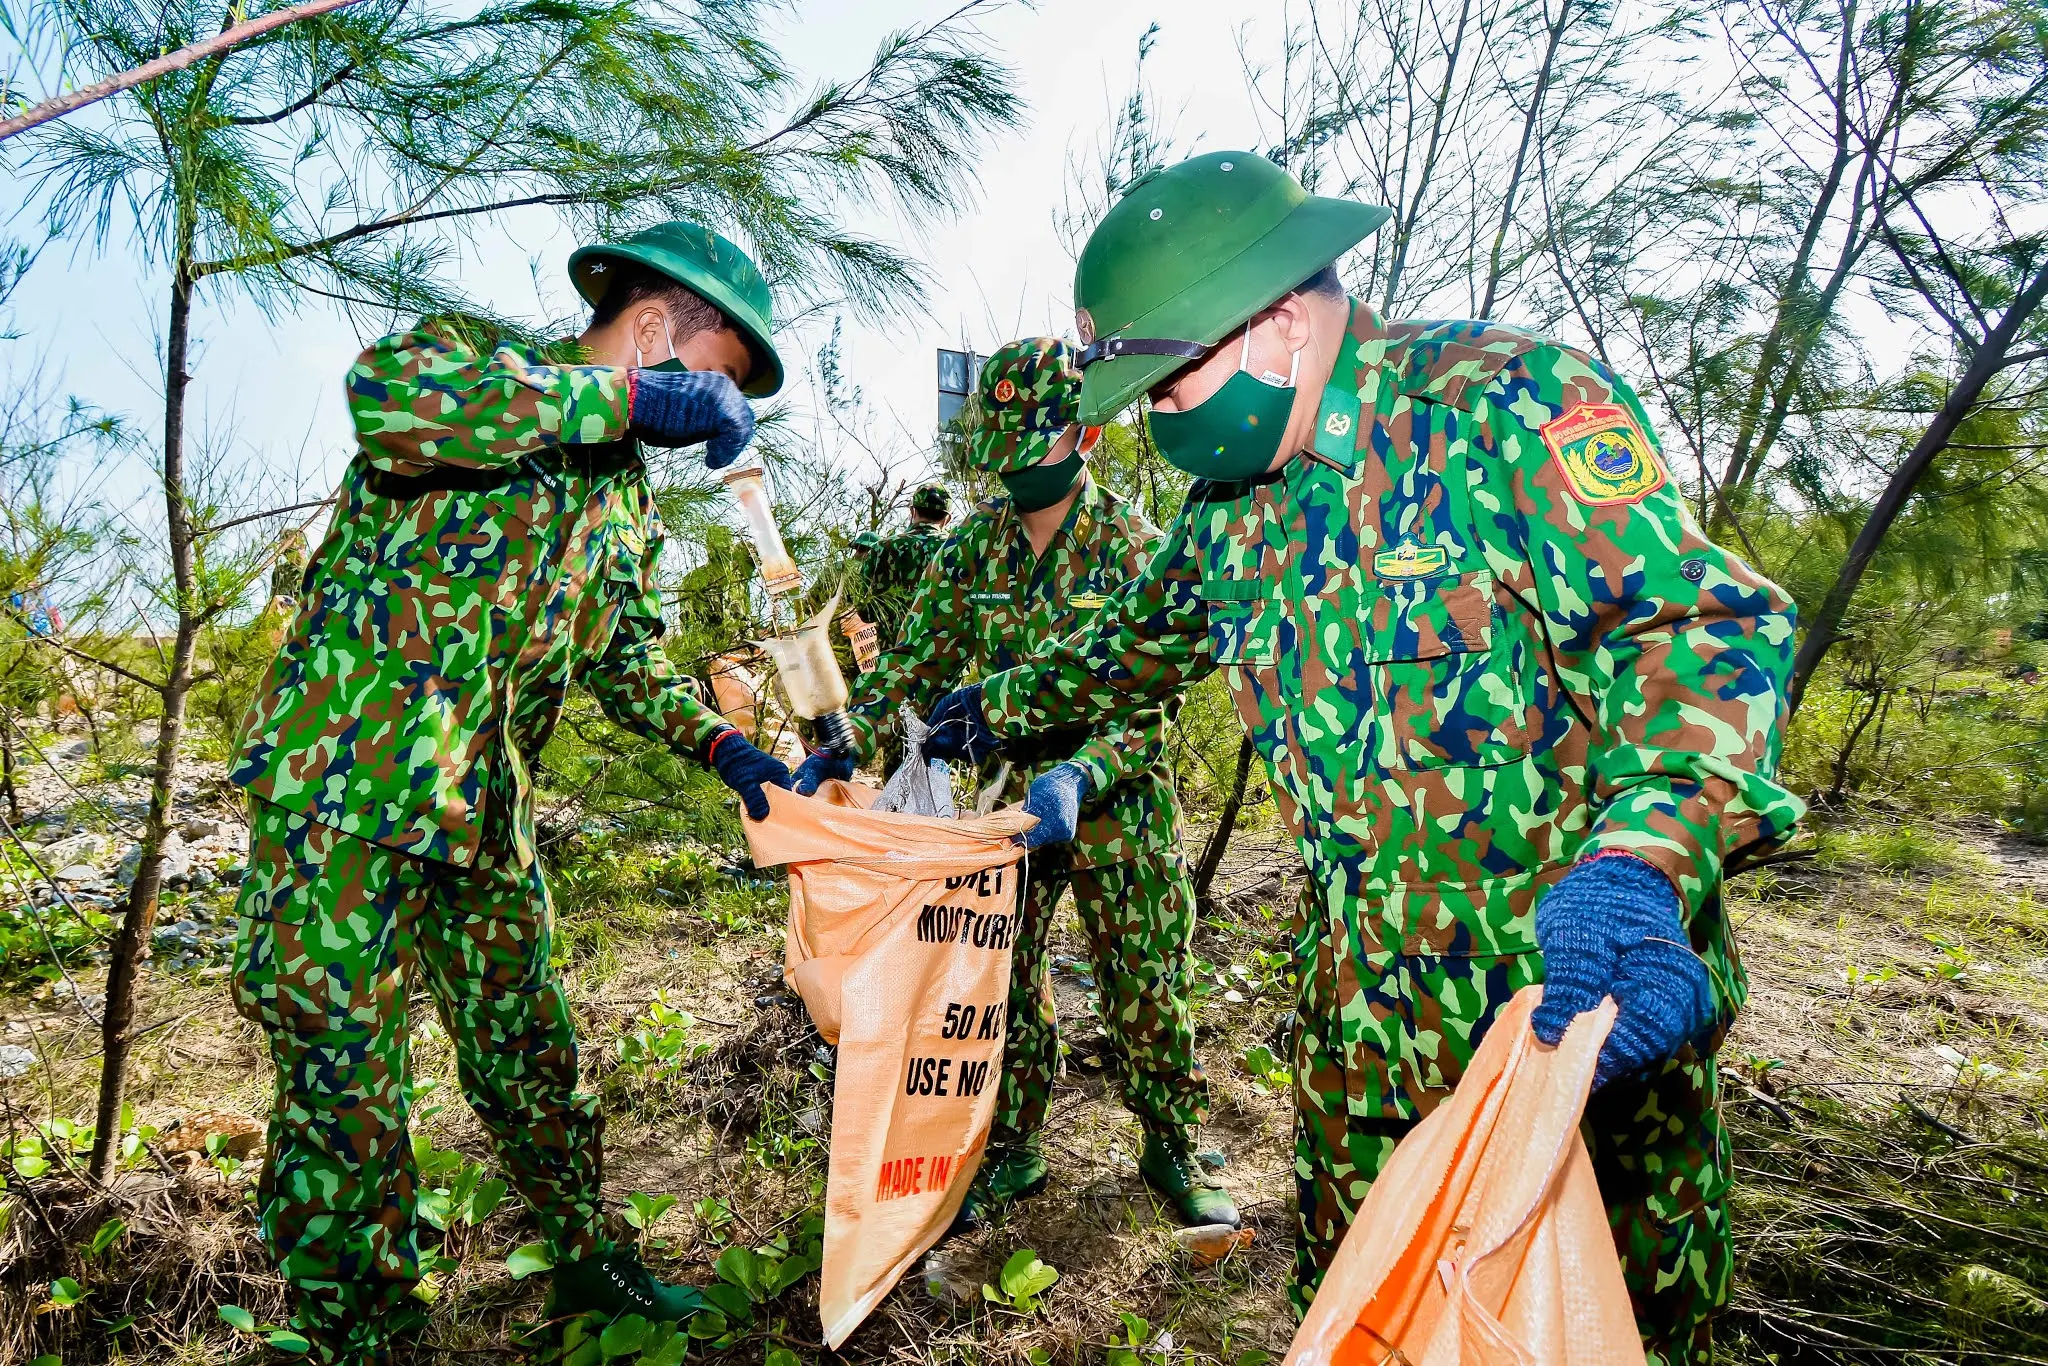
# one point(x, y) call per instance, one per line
point(1170, 1168)
point(1007, 1175)
point(616, 1284)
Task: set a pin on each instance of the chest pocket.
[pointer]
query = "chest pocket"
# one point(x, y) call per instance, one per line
point(1449, 692)
point(1244, 624)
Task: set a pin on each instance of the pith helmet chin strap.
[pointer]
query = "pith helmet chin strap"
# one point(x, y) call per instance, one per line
point(1109, 348)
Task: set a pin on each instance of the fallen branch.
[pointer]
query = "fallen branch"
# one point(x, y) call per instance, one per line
point(1967, 1139)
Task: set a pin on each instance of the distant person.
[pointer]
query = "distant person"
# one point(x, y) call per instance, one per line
point(1023, 572)
point(289, 567)
point(496, 541)
point(1520, 714)
point(892, 567)
point(38, 615)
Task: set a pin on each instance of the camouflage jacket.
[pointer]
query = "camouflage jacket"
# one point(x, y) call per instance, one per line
point(1475, 634)
point(985, 604)
point(495, 540)
point(892, 575)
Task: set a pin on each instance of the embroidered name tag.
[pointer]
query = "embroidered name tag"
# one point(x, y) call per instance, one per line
point(1411, 560)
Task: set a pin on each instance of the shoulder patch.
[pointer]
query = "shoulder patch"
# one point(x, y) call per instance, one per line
point(1603, 454)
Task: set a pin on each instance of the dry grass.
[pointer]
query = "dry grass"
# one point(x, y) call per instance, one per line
point(1817, 1069)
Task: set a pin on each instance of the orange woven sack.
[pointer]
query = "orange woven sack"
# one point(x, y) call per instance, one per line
point(900, 929)
point(1484, 1241)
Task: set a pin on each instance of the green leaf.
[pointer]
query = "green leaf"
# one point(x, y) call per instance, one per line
point(622, 1337)
point(706, 1324)
point(238, 1317)
point(465, 1183)
point(1122, 1356)
point(644, 1211)
point(51, 1360)
point(1025, 1276)
point(742, 1266)
point(435, 1207)
point(528, 1259)
point(734, 1302)
point(672, 1351)
point(1136, 1330)
point(788, 1273)
point(782, 1356)
point(483, 1201)
point(285, 1340)
point(65, 1292)
point(109, 1233)
point(1254, 1357)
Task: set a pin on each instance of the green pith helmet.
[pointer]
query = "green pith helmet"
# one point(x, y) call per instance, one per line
point(866, 543)
point(1030, 392)
point(706, 264)
point(931, 501)
point(1189, 253)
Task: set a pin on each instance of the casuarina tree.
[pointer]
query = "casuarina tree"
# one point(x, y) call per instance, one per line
point(340, 158)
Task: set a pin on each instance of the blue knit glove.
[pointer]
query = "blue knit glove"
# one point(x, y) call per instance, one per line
point(683, 407)
point(1056, 800)
point(958, 730)
point(1610, 927)
point(745, 769)
point(823, 764)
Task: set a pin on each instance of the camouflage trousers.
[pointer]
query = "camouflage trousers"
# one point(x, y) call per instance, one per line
point(1138, 916)
point(1385, 1035)
point(328, 928)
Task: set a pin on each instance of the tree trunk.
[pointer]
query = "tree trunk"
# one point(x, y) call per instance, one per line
point(7, 767)
point(1405, 223)
point(1219, 838)
point(1785, 317)
point(1529, 123)
point(131, 944)
point(1986, 360)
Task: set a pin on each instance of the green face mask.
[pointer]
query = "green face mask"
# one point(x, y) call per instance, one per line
point(1040, 486)
point(1234, 433)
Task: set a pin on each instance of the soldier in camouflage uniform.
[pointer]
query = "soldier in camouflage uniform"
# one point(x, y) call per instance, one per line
point(894, 566)
point(1018, 575)
point(496, 541)
point(1520, 714)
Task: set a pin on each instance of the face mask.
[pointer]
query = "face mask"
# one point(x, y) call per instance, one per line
point(1037, 487)
point(1235, 432)
point(674, 362)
